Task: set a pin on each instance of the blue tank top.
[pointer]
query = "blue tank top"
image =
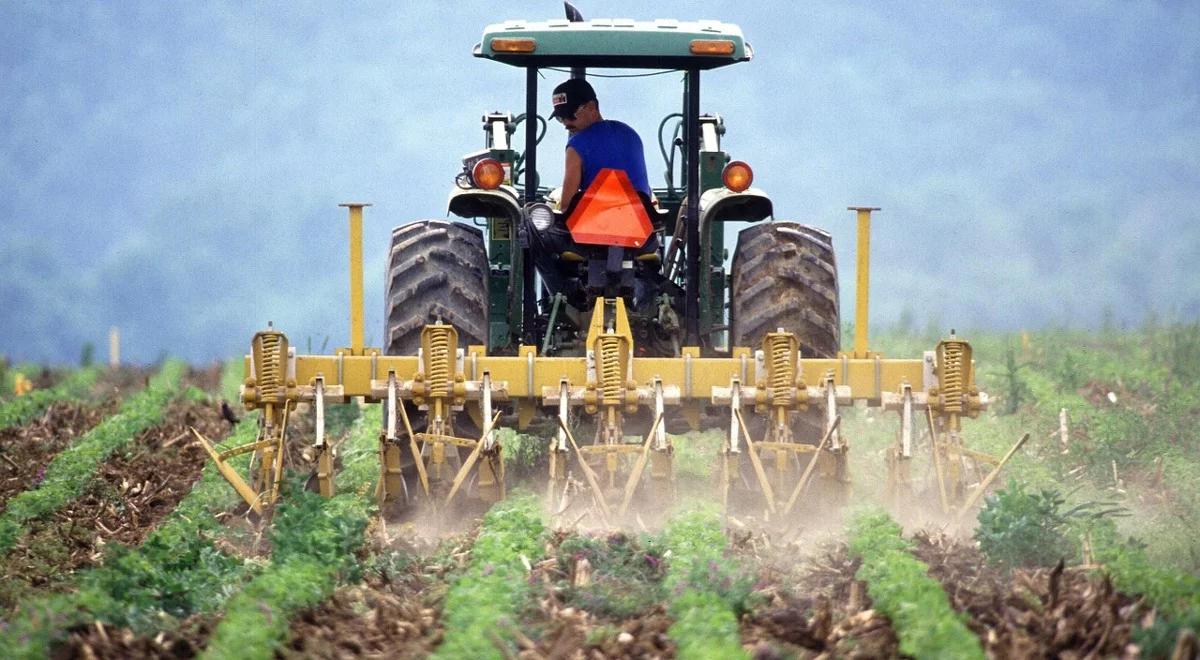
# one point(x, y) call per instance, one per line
point(610, 143)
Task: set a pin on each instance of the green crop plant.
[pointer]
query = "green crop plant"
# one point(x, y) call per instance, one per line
point(705, 589)
point(900, 587)
point(314, 544)
point(177, 571)
point(484, 600)
point(71, 471)
point(20, 410)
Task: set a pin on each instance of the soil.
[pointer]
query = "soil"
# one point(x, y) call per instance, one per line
point(134, 489)
point(1028, 613)
point(122, 380)
point(100, 641)
point(815, 608)
point(570, 632)
point(810, 607)
point(1032, 613)
point(393, 613)
point(205, 378)
point(26, 450)
point(394, 616)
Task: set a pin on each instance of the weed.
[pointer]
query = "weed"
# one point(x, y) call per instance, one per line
point(696, 453)
point(523, 453)
point(1183, 352)
point(1014, 387)
point(1019, 527)
point(1022, 528)
point(600, 634)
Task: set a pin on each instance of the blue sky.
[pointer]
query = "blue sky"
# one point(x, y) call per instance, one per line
point(175, 169)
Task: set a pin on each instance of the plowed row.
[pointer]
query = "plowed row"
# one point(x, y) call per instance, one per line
point(590, 595)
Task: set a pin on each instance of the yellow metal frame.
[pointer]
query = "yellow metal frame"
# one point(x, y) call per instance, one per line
point(533, 378)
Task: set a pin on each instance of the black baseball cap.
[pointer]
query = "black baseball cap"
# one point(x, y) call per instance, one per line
point(569, 96)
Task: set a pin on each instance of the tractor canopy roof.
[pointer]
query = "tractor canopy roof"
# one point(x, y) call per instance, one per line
point(620, 43)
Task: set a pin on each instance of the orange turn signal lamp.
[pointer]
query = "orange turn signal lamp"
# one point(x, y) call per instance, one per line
point(710, 47)
point(504, 45)
point(737, 176)
point(488, 174)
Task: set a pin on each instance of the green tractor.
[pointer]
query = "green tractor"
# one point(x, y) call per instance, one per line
point(510, 273)
point(614, 311)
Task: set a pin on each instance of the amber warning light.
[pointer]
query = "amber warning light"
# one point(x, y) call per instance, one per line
point(513, 45)
point(737, 176)
point(488, 174)
point(710, 47)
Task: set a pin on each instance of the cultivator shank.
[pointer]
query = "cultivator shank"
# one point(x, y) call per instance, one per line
point(270, 388)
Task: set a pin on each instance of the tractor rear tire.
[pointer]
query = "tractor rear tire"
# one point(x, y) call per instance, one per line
point(437, 269)
point(784, 275)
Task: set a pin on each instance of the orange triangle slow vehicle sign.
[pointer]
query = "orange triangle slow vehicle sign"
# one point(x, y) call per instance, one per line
point(610, 213)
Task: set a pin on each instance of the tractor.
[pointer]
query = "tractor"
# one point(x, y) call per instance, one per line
point(612, 312)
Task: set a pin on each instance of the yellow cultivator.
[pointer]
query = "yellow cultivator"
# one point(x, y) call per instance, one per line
point(762, 388)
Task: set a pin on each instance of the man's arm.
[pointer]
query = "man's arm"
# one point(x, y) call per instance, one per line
point(572, 174)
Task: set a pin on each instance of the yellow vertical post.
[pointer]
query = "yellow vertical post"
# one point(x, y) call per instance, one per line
point(863, 282)
point(356, 277)
point(114, 347)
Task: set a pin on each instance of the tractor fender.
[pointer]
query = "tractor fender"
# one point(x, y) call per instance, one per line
point(725, 205)
point(503, 202)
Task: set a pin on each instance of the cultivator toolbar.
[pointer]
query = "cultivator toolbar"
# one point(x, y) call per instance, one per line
point(433, 399)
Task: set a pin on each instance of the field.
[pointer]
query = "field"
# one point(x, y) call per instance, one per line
point(120, 539)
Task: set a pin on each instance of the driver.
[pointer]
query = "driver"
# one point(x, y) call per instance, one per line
point(595, 142)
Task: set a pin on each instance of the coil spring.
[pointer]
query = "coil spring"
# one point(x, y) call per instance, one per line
point(610, 368)
point(437, 373)
point(782, 372)
point(270, 371)
point(953, 376)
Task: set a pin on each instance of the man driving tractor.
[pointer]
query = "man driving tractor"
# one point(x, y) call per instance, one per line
point(595, 143)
